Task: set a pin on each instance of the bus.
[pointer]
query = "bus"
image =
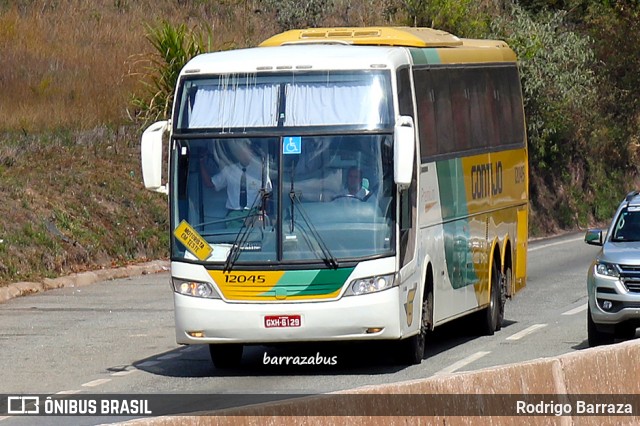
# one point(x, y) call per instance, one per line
point(343, 184)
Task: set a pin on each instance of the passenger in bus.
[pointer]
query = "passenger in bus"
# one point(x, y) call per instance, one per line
point(242, 179)
point(354, 185)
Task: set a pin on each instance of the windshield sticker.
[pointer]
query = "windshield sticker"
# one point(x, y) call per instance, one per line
point(292, 145)
point(193, 241)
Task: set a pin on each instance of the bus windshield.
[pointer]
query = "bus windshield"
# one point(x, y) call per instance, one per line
point(319, 199)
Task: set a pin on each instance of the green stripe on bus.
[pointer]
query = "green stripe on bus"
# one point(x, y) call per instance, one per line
point(453, 195)
point(312, 282)
point(424, 56)
point(453, 202)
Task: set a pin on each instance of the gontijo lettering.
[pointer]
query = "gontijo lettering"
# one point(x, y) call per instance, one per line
point(486, 179)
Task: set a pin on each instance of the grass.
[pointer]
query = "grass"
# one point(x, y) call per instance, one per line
point(74, 64)
point(74, 201)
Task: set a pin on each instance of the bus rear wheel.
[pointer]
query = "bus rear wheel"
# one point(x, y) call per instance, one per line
point(226, 355)
point(492, 315)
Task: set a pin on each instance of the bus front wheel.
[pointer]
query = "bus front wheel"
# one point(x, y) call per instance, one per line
point(412, 349)
point(225, 355)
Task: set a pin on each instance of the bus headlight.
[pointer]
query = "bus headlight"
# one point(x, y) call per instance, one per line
point(370, 285)
point(194, 288)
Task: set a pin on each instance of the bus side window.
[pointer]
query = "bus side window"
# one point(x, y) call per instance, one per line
point(425, 99)
point(443, 111)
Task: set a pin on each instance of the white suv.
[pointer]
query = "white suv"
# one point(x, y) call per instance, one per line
point(613, 280)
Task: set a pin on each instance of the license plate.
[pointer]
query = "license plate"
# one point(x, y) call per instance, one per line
point(279, 321)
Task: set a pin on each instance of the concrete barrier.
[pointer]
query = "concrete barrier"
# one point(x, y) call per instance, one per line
point(591, 375)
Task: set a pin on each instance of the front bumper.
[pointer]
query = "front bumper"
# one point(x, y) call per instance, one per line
point(625, 305)
point(348, 318)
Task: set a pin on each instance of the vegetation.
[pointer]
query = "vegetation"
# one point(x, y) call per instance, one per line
point(174, 46)
point(80, 79)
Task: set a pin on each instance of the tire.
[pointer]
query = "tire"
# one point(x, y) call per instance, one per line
point(491, 317)
point(226, 355)
point(411, 350)
point(595, 336)
point(506, 282)
point(626, 331)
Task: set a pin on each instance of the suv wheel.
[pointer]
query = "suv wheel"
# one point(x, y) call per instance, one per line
point(626, 331)
point(595, 336)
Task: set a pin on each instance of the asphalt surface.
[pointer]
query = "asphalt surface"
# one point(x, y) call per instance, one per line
point(117, 336)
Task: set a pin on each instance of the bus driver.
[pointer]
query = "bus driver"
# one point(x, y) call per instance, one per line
point(354, 186)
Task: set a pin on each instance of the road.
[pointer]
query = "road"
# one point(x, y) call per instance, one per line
point(118, 337)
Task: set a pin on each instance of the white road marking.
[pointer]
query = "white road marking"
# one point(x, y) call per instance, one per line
point(557, 243)
point(519, 335)
point(576, 310)
point(123, 373)
point(4, 418)
point(95, 383)
point(463, 362)
point(169, 356)
point(68, 392)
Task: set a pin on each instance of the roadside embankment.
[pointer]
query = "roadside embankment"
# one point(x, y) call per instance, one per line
point(570, 385)
point(81, 279)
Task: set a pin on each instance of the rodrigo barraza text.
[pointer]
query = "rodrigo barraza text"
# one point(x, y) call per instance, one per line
point(579, 407)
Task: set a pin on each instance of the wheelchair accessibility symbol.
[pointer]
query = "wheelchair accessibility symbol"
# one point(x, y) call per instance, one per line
point(292, 145)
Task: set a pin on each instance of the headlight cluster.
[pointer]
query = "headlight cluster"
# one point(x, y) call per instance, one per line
point(370, 284)
point(607, 269)
point(194, 288)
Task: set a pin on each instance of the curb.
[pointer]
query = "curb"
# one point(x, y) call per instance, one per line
point(80, 279)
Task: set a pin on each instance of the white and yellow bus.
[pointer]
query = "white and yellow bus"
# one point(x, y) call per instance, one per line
point(432, 226)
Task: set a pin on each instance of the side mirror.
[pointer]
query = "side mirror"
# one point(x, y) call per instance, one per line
point(403, 151)
point(593, 237)
point(151, 156)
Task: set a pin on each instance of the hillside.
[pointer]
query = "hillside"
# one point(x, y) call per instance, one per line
point(74, 201)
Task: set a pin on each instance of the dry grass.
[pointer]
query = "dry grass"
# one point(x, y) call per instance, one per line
point(73, 64)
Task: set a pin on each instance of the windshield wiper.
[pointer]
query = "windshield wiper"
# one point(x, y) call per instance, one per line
point(327, 256)
point(243, 233)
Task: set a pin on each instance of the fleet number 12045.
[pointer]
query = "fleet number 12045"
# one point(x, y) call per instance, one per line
point(245, 278)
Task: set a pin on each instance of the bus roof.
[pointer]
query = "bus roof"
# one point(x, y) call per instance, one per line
point(437, 46)
point(352, 48)
point(370, 36)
